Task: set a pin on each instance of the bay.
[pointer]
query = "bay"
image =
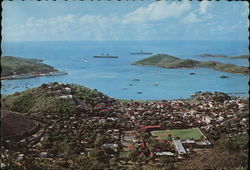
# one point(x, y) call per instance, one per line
point(113, 76)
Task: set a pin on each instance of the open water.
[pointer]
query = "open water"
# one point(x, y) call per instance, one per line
point(113, 76)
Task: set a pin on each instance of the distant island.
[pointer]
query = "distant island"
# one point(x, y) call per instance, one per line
point(140, 53)
point(224, 56)
point(18, 68)
point(168, 61)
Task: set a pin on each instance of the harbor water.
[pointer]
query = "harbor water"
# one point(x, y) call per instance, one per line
point(114, 76)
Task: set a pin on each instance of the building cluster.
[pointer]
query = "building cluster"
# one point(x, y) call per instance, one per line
point(123, 123)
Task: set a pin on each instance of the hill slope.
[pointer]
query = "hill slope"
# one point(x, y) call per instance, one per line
point(14, 125)
point(51, 100)
point(167, 61)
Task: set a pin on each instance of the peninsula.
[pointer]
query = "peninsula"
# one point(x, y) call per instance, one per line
point(224, 56)
point(18, 68)
point(168, 61)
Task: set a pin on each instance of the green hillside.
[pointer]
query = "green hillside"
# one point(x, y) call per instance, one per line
point(52, 99)
point(158, 59)
point(17, 65)
point(167, 61)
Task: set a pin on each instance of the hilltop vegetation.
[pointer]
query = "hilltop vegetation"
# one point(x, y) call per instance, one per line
point(224, 56)
point(50, 99)
point(167, 61)
point(17, 65)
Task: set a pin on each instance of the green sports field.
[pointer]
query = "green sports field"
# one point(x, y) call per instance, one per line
point(193, 133)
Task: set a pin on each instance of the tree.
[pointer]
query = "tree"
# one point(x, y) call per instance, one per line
point(165, 160)
point(98, 165)
point(98, 154)
point(133, 155)
point(154, 144)
point(100, 140)
point(113, 162)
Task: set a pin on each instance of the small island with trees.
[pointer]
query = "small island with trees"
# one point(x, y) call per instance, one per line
point(168, 61)
point(224, 56)
point(19, 68)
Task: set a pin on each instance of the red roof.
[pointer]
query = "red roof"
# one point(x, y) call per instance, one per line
point(147, 127)
point(161, 141)
point(142, 154)
point(119, 116)
point(131, 146)
point(98, 105)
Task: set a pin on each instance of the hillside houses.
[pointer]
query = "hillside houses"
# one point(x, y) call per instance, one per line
point(121, 130)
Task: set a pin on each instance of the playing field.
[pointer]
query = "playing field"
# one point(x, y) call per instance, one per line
point(193, 133)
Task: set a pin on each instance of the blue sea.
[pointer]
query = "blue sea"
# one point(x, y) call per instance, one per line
point(113, 76)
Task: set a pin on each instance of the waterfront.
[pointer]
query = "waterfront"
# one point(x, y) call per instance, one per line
point(114, 76)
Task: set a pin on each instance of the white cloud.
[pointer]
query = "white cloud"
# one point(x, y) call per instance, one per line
point(76, 27)
point(204, 6)
point(157, 11)
point(158, 20)
point(96, 27)
point(191, 18)
point(200, 14)
point(219, 28)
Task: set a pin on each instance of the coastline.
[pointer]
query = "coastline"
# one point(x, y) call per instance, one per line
point(33, 75)
point(187, 68)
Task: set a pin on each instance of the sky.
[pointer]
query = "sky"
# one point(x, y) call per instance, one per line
point(124, 20)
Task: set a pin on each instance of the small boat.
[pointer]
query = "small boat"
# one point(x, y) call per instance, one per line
point(192, 73)
point(136, 80)
point(85, 61)
point(156, 84)
point(131, 84)
point(139, 92)
point(224, 77)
